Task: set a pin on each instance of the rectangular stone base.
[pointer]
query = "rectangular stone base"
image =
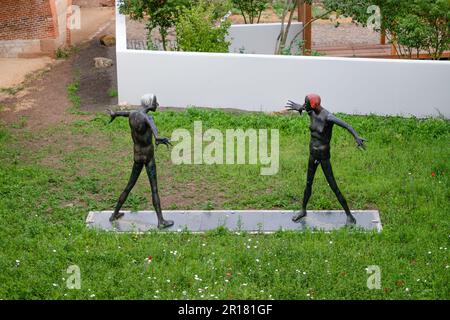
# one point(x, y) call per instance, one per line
point(265, 221)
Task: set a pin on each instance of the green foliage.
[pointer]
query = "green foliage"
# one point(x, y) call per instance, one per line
point(251, 10)
point(161, 14)
point(411, 24)
point(112, 93)
point(65, 52)
point(197, 30)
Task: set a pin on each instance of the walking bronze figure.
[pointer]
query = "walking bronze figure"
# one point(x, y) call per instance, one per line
point(321, 127)
point(143, 128)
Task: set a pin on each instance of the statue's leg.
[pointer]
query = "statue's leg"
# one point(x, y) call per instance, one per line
point(312, 167)
point(137, 168)
point(151, 172)
point(328, 171)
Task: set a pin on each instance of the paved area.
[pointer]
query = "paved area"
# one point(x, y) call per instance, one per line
point(266, 221)
point(93, 21)
point(15, 70)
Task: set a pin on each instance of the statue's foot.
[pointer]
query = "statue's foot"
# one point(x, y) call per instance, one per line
point(299, 215)
point(116, 216)
point(165, 224)
point(351, 221)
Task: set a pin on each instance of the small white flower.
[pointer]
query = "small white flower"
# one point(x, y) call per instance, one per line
point(92, 295)
point(446, 267)
point(429, 252)
point(204, 244)
point(226, 280)
point(304, 272)
point(54, 250)
point(184, 293)
point(168, 280)
point(54, 284)
point(244, 284)
point(308, 295)
point(257, 260)
point(331, 242)
point(248, 247)
point(407, 289)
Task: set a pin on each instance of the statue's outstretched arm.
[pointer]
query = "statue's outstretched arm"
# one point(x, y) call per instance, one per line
point(345, 125)
point(158, 139)
point(115, 114)
point(292, 106)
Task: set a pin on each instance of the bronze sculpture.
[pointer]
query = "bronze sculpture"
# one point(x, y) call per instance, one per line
point(143, 128)
point(321, 128)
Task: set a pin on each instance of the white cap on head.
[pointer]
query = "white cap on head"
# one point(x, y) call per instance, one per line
point(147, 99)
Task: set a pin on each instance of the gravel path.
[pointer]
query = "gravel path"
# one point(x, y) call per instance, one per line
point(324, 34)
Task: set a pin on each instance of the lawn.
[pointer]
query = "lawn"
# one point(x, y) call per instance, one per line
point(50, 179)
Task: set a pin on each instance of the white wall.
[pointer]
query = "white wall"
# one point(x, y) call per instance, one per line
point(259, 38)
point(265, 83)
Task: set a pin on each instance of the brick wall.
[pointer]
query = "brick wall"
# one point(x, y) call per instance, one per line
point(33, 27)
point(26, 20)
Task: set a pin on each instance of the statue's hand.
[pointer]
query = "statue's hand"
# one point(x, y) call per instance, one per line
point(165, 141)
point(112, 115)
point(292, 106)
point(360, 142)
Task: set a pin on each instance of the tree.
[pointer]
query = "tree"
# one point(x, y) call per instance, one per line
point(251, 9)
point(162, 14)
point(411, 25)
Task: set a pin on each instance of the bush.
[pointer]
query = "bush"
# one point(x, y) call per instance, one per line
point(162, 14)
point(412, 25)
point(197, 30)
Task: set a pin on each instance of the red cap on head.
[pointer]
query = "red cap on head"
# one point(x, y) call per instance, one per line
point(314, 100)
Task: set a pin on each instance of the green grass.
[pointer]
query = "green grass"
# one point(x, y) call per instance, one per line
point(12, 90)
point(66, 52)
point(50, 179)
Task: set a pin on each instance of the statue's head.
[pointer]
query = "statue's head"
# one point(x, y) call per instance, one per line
point(149, 102)
point(312, 102)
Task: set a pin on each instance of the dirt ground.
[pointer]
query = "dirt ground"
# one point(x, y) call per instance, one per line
point(43, 101)
point(15, 70)
point(98, 87)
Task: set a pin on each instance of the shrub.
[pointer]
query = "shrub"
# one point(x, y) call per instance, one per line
point(198, 31)
point(161, 14)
